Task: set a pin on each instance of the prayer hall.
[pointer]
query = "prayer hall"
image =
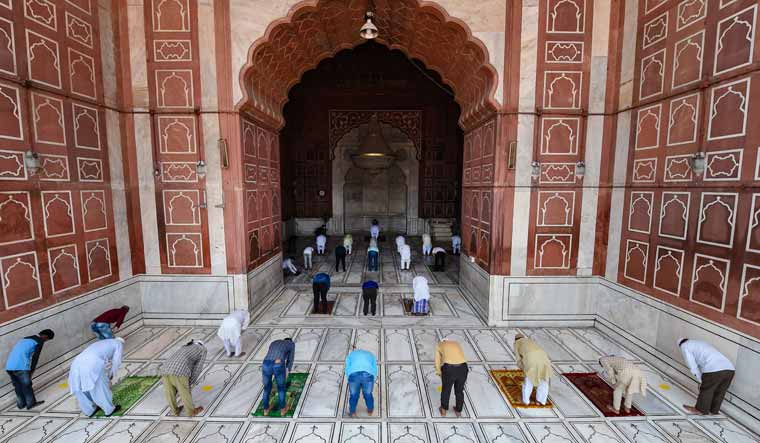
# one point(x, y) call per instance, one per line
point(379, 221)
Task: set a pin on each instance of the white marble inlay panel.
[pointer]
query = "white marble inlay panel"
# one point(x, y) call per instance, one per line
point(158, 344)
point(458, 335)
point(37, 430)
point(360, 433)
point(439, 306)
point(346, 304)
point(212, 383)
point(597, 432)
point(602, 343)
point(684, 431)
point(241, 397)
point(275, 309)
point(9, 423)
point(433, 390)
point(425, 341)
point(336, 345)
point(80, 431)
point(369, 340)
point(323, 393)
point(138, 337)
point(640, 432)
point(551, 433)
point(456, 433)
point(312, 433)
point(276, 334)
point(392, 305)
point(667, 389)
point(569, 402)
point(490, 346)
point(479, 386)
point(125, 431)
point(250, 339)
point(503, 433)
point(307, 343)
point(260, 432)
point(555, 351)
point(217, 432)
point(195, 334)
point(408, 433)
point(397, 345)
point(152, 403)
point(726, 431)
point(574, 344)
point(301, 305)
point(403, 389)
point(170, 432)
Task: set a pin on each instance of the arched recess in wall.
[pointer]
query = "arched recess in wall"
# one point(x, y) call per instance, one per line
point(315, 30)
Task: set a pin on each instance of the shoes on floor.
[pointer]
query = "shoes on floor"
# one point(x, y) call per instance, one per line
point(116, 409)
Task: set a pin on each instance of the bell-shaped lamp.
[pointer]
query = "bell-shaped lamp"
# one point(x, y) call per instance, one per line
point(368, 30)
point(374, 154)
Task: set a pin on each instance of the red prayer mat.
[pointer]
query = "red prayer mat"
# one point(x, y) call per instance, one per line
point(599, 392)
point(510, 383)
point(330, 306)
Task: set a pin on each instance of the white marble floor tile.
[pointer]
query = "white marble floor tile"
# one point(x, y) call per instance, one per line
point(301, 306)
point(307, 343)
point(152, 403)
point(242, 395)
point(50, 394)
point(567, 399)
point(667, 389)
point(575, 344)
point(347, 304)
point(80, 431)
point(425, 342)
point(125, 431)
point(398, 346)
point(170, 432)
point(359, 433)
point(602, 343)
point(312, 433)
point(158, 343)
point(439, 305)
point(250, 340)
point(139, 337)
point(212, 382)
point(555, 351)
point(551, 433)
point(217, 432)
point(490, 346)
point(37, 430)
point(276, 334)
point(408, 433)
point(9, 423)
point(263, 432)
point(651, 404)
point(597, 432)
point(485, 398)
point(640, 432)
point(403, 391)
point(727, 431)
point(433, 386)
point(456, 433)
point(683, 431)
point(322, 395)
point(392, 305)
point(503, 433)
point(194, 334)
point(337, 345)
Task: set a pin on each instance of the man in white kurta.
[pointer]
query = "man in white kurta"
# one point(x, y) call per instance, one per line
point(90, 380)
point(230, 330)
point(427, 244)
point(348, 243)
point(406, 256)
point(307, 252)
point(456, 244)
point(321, 244)
point(289, 265)
point(374, 230)
point(400, 241)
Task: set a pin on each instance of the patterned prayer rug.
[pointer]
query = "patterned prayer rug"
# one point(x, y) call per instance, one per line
point(599, 392)
point(295, 386)
point(510, 383)
point(128, 391)
point(330, 306)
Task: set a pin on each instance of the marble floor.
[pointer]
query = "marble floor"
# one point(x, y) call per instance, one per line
point(406, 391)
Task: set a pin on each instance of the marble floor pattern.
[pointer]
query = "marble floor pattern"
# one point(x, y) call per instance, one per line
point(406, 390)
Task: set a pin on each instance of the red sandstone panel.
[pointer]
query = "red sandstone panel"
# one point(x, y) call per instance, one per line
point(749, 302)
point(15, 217)
point(710, 281)
point(674, 215)
point(640, 212)
point(636, 260)
point(64, 268)
point(668, 270)
point(20, 277)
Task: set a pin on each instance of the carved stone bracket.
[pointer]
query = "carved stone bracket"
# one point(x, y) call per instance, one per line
point(407, 121)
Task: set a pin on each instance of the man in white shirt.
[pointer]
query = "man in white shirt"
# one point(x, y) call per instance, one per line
point(348, 243)
point(231, 329)
point(456, 244)
point(406, 257)
point(289, 266)
point(427, 244)
point(713, 371)
point(374, 230)
point(400, 241)
point(321, 244)
point(307, 251)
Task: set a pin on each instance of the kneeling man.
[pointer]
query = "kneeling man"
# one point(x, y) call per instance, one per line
point(627, 379)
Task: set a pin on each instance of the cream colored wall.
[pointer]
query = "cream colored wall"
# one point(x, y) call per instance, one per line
point(249, 20)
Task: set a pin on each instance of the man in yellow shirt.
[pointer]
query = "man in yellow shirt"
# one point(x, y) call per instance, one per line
point(451, 366)
point(535, 363)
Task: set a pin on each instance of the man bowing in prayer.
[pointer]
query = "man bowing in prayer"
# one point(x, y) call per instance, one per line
point(180, 372)
point(22, 361)
point(230, 330)
point(90, 380)
point(536, 366)
point(627, 379)
point(400, 241)
point(406, 257)
point(451, 366)
point(348, 243)
point(101, 326)
point(713, 371)
point(421, 296)
point(374, 230)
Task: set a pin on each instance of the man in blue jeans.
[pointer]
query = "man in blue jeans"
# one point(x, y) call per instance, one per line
point(361, 369)
point(101, 325)
point(22, 361)
point(320, 285)
point(372, 257)
point(277, 363)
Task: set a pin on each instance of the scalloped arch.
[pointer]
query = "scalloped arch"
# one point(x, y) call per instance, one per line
point(317, 29)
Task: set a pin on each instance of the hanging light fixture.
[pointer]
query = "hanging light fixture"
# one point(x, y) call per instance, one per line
point(374, 154)
point(369, 31)
point(698, 163)
point(580, 169)
point(32, 162)
point(535, 169)
point(200, 168)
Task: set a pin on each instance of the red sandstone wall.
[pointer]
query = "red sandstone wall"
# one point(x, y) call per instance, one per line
point(261, 176)
point(690, 240)
point(562, 96)
point(56, 227)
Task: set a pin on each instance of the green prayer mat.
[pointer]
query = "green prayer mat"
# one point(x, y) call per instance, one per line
point(127, 392)
point(295, 384)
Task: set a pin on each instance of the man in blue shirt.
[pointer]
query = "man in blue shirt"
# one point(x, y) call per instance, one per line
point(321, 284)
point(373, 254)
point(277, 363)
point(361, 369)
point(369, 296)
point(22, 361)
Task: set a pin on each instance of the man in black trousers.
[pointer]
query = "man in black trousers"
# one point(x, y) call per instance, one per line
point(340, 257)
point(320, 284)
point(369, 296)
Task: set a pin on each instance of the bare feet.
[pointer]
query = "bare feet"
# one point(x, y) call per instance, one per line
point(457, 413)
point(627, 410)
point(284, 411)
point(242, 354)
point(692, 410)
point(351, 415)
point(370, 411)
point(179, 410)
point(196, 411)
point(266, 411)
point(613, 410)
point(442, 411)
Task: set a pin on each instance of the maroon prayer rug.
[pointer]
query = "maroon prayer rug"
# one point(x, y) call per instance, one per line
point(599, 392)
point(330, 306)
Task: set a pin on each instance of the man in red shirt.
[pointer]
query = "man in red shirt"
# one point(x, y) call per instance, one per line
point(101, 326)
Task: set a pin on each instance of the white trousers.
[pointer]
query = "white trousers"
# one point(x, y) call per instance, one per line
point(542, 392)
point(99, 397)
point(405, 263)
point(426, 249)
point(229, 345)
point(348, 249)
point(456, 248)
point(307, 261)
point(320, 249)
point(292, 268)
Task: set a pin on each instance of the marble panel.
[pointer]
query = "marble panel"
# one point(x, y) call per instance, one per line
point(9, 423)
point(726, 431)
point(301, 306)
point(170, 432)
point(667, 388)
point(640, 432)
point(392, 305)
point(238, 401)
point(652, 404)
point(425, 342)
point(439, 305)
point(213, 381)
point(507, 337)
point(125, 431)
point(462, 307)
point(80, 431)
point(602, 343)
point(398, 346)
point(456, 433)
point(359, 433)
point(307, 343)
point(572, 342)
point(369, 340)
point(481, 386)
point(194, 334)
point(336, 346)
point(403, 391)
point(503, 433)
point(555, 351)
point(489, 346)
point(683, 431)
point(347, 304)
point(432, 382)
point(323, 392)
point(37, 430)
point(312, 433)
point(259, 432)
point(217, 432)
point(597, 432)
point(569, 402)
point(152, 403)
point(276, 334)
point(158, 343)
point(460, 336)
point(140, 336)
point(551, 433)
point(408, 433)
point(276, 308)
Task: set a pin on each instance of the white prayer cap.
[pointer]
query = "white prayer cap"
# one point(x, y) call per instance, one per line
point(120, 340)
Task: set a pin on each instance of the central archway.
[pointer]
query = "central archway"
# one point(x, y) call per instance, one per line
point(313, 31)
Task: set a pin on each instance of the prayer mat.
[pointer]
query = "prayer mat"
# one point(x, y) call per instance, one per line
point(408, 304)
point(295, 385)
point(599, 392)
point(330, 306)
point(510, 383)
point(127, 392)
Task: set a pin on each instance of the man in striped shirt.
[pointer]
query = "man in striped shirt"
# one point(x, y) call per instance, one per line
point(180, 372)
point(277, 363)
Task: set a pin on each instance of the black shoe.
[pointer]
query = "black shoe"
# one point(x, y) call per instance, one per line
point(37, 403)
point(116, 409)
